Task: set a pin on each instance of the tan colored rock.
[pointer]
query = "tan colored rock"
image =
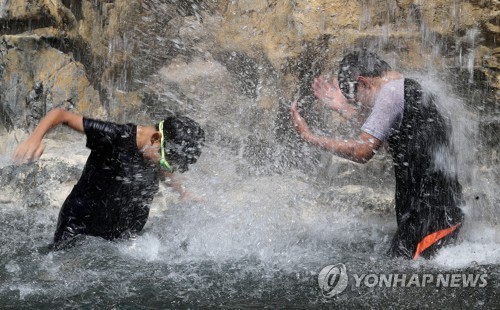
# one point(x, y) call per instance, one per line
point(56, 77)
point(45, 12)
point(280, 28)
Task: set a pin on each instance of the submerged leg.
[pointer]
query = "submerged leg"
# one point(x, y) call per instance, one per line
point(70, 227)
point(424, 232)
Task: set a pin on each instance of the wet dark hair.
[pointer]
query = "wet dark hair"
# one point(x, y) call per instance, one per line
point(183, 141)
point(359, 62)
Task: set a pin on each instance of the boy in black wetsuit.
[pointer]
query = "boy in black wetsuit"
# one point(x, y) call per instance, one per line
point(111, 200)
point(428, 193)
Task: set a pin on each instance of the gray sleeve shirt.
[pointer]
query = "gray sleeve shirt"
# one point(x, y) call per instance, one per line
point(387, 111)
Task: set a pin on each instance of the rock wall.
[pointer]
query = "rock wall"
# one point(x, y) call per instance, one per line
point(37, 77)
point(86, 54)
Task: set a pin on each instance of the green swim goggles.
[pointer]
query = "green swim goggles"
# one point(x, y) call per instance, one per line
point(163, 162)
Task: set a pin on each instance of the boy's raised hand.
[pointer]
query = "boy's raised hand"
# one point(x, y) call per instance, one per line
point(328, 94)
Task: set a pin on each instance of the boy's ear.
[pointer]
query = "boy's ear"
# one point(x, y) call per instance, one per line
point(156, 137)
point(364, 81)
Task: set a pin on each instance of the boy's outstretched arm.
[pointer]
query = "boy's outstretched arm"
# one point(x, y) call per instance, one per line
point(32, 148)
point(360, 150)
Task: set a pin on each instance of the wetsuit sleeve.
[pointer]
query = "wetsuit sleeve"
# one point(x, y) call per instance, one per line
point(387, 113)
point(102, 135)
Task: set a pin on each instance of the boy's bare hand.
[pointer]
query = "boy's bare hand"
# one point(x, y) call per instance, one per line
point(187, 196)
point(29, 150)
point(328, 94)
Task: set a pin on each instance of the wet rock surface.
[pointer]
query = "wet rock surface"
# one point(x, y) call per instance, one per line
point(99, 50)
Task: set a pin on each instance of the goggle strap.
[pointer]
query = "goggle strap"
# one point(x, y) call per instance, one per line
point(163, 162)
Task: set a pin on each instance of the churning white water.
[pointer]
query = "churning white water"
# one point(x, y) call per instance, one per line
point(254, 239)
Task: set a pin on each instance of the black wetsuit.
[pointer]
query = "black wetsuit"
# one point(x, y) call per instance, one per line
point(427, 194)
point(111, 199)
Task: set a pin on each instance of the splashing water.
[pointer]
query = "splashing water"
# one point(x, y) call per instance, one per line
point(257, 240)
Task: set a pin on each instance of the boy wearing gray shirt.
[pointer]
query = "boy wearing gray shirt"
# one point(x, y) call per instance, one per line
point(427, 195)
